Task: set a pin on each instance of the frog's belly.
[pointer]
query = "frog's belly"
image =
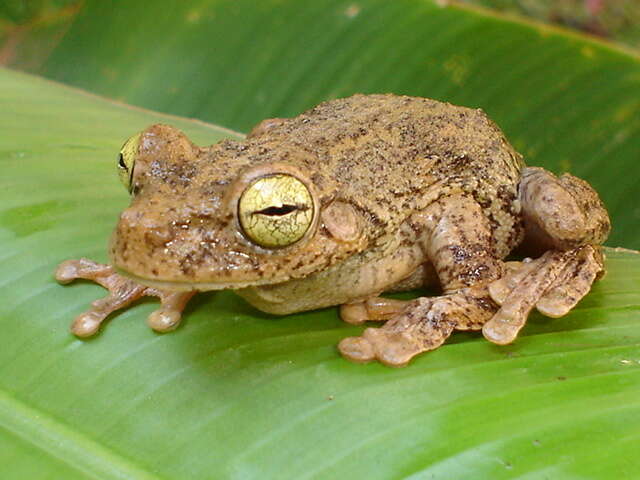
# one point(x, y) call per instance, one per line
point(353, 280)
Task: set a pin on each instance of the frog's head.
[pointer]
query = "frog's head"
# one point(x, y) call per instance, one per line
point(232, 215)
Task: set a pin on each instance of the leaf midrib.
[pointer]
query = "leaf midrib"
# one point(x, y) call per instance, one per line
point(66, 444)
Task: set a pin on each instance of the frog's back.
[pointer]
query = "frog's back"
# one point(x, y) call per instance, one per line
point(406, 152)
point(429, 129)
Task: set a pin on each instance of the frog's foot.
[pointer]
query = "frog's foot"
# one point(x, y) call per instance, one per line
point(375, 309)
point(122, 292)
point(553, 283)
point(424, 324)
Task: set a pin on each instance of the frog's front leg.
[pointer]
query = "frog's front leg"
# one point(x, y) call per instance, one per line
point(565, 217)
point(122, 292)
point(457, 241)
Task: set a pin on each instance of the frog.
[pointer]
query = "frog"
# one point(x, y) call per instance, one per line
point(352, 199)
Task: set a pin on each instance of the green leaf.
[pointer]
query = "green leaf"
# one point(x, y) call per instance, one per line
point(238, 394)
point(566, 102)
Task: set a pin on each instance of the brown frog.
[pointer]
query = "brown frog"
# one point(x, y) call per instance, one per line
point(353, 198)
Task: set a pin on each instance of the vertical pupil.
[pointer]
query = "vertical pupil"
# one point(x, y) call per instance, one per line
point(121, 162)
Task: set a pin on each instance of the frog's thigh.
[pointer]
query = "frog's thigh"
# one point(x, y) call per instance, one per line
point(560, 212)
point(457, 241)
point(554, 283)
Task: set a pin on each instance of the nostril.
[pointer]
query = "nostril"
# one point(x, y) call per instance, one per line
point(158, 236)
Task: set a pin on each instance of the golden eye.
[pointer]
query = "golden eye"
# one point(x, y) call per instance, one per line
point(275, 211)
point(127, 161)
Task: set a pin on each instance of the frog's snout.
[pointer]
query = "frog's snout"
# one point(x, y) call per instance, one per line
point(134, 224)
point(159, 245)
point(140, 241)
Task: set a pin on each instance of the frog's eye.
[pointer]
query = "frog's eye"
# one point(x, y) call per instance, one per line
point(127, 161)
point(275, 211)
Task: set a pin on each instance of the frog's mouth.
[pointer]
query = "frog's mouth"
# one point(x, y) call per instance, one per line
point(183, 258)
point(186, 286)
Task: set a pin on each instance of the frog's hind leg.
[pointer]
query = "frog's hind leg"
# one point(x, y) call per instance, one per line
point(457, 241)
point(379, 309)
point(372, 309)
point(424, 324)
point(122, 292)
point(553, 283)
point(560, 213)
point(564, 217)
